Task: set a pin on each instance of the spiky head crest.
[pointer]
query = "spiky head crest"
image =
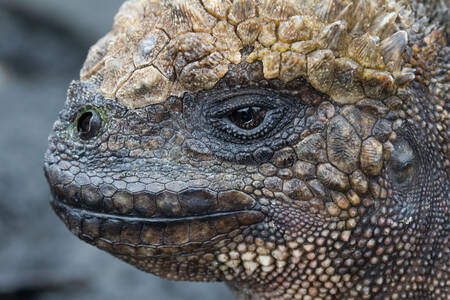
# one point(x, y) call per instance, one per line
point(350, 50)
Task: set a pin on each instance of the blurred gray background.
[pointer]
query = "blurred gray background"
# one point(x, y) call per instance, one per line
point(42, 47)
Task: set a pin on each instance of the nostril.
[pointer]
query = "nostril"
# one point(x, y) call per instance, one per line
point(84, 122)
point(89, 124)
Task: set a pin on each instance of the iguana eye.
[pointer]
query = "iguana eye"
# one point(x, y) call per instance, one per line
point(246, 121)
point(245, 116)
point(88, 124)
point(248, 117)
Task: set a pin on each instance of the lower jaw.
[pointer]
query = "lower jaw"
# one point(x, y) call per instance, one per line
point(155, 237)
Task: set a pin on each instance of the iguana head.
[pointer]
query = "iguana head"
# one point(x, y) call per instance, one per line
point(294, 149)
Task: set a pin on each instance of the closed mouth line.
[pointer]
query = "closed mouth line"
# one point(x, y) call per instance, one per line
point(130, 219)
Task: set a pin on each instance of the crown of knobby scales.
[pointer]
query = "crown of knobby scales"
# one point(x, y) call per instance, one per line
point(350, 50)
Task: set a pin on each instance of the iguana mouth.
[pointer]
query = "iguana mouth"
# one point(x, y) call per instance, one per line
point(243, 217)
point(136, 217)
point(152, 237)
point(173, 200)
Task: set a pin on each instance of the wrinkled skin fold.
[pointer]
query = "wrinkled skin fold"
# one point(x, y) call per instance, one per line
point(292, 149)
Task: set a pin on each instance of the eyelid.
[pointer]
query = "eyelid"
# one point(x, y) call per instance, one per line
point(228, 105)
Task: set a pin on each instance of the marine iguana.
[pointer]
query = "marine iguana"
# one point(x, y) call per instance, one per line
point(292, 149)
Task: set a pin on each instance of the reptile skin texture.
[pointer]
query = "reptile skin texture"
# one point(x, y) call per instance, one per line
point(294, 149)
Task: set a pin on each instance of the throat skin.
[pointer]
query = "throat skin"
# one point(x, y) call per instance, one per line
point(291, 149)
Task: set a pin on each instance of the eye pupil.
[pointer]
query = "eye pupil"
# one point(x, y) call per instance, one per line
point(89, 124)
point(248, 117)
point(246, 114)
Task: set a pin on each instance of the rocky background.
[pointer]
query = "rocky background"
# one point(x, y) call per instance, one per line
point(42, 47)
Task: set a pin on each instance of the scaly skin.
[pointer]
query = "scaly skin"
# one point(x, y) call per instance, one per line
point(293, 149)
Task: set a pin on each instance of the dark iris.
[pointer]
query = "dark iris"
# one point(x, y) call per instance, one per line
point(89, 124)
point(248, 117)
